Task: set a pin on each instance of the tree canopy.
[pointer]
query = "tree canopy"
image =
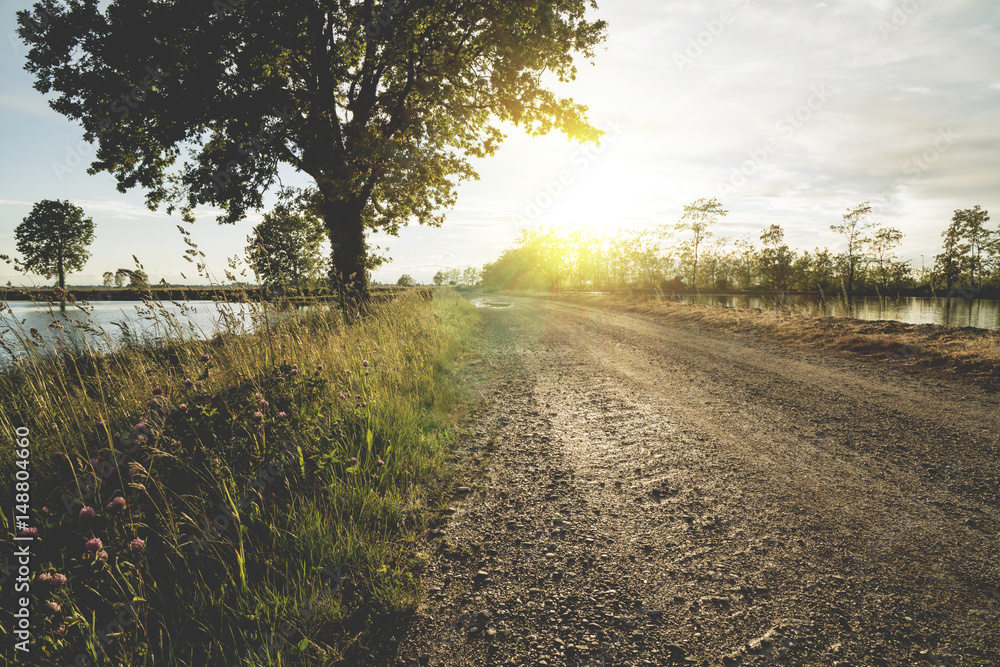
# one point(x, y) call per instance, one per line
point(201, 102)
point(53, 239)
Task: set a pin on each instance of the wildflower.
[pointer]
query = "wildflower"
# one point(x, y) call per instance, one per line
point(101, 423)
point(183, 407)
point(102, 554)
point(117, 504)
point(157, 391)
point(203, 358)
point(93, 545)
point(87, 513)
point(295, 371)
point(364, 363)
point(263, 403)
point(61, 630)
point(140, 428)
point(343, 394)
point(137, 545)
point(30, 531)
point(54, 607)
point(380, 462)
point(354, 459)
point(188, 383)
point(258, 395)
point(258, 416)
point(282, 414)
point(46, 512)
point(94, 461)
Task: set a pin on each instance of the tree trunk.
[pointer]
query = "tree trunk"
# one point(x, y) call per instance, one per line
point(348, 272)
point(62, 274)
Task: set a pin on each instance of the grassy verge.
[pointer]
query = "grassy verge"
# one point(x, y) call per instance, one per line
point(248, 500)
point(974, 353)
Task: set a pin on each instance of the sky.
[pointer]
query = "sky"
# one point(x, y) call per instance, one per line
point(788, 112)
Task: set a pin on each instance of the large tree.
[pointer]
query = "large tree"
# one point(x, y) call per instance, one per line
point(53, 239)
point(382, 106)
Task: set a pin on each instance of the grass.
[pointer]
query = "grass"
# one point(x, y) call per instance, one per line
point(974, 353)
point(275, 478)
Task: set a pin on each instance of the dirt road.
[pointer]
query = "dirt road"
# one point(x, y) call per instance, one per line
point(652, 494)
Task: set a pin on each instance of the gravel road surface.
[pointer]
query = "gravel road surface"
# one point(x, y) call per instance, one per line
point(642, 492)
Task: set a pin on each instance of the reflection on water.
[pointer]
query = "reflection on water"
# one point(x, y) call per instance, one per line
point(956, 312)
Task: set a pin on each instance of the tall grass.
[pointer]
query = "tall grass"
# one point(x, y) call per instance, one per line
point(271, 481)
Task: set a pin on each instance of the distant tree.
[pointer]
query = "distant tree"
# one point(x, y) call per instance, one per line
point(697, 219)
point(776, 259)
point(121, 275)
point(384, 105)
point(284, 250)
point(137, 278)
point(470, 276)
point(969, 249)
point(746, 259)
point(440, 277)
point(854, 229)
point(109, 278)
point(406, 280)
point(883, 244)
point(53, 239)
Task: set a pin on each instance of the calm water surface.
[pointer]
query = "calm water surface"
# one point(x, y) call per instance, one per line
point(104, 324)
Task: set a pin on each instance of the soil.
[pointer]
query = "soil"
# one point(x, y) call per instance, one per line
point(648, 492)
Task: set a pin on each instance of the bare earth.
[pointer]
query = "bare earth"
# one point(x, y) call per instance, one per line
point(650, 493)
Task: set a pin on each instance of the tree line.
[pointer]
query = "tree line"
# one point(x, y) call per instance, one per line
point(689, 254)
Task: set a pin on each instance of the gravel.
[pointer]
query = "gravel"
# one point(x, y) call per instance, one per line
point(649, 493)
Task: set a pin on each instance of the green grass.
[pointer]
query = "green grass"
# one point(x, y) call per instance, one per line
point(277, 538)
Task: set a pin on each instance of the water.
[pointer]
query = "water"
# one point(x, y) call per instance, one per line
point(955, 312)
point(104, 324)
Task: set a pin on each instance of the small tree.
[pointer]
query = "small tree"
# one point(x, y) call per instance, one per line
point(137, 278)
point(884, 242)
point(53, 239)
point(440, 277)
point(285, 247)
point(697, 219)
point(776, 258)
point(854, 229)
point(109, 278)
point(406, 280)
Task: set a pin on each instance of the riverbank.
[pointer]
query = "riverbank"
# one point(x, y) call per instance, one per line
point(252, 497)
point(974, 353)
